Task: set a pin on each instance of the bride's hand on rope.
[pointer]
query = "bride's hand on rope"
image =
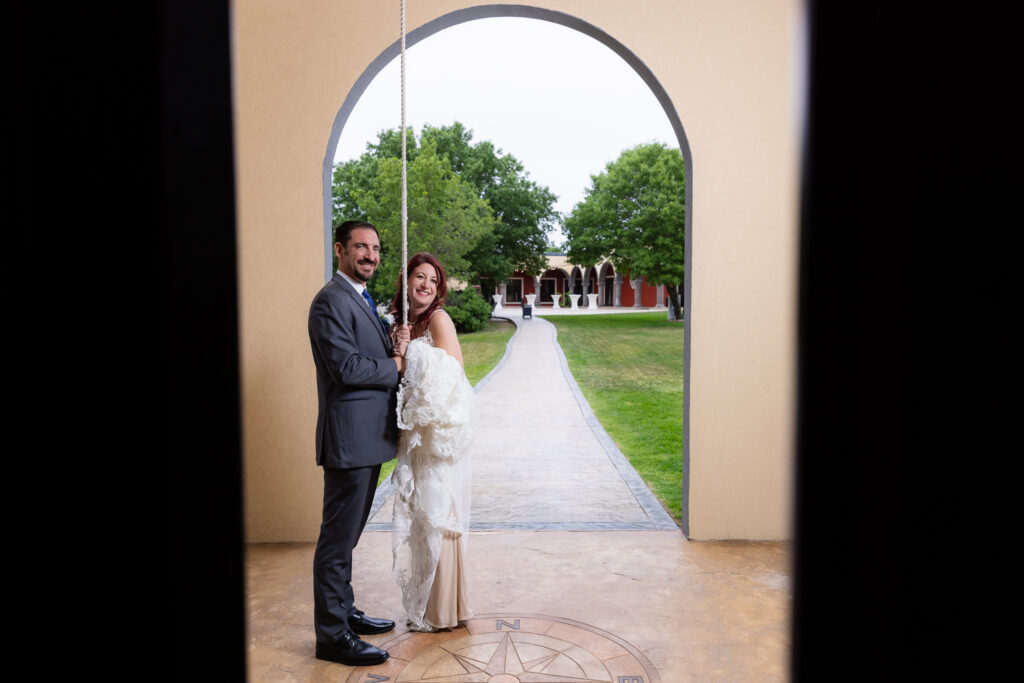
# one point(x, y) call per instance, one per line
point(400, 334)
point(402, 337)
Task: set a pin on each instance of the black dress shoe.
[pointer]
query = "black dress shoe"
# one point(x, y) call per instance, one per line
point(351, 651)
point(367, 626)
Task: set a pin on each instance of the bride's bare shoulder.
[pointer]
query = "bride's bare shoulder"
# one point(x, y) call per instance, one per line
point(442, 329)
point(440, 320)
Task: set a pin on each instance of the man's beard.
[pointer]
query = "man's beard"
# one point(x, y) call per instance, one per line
point(359, 276)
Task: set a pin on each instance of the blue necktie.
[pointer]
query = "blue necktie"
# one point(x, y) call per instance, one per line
point(366, 295)
point(369, 300)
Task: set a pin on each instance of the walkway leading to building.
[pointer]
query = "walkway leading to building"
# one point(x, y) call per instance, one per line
point(541, 460)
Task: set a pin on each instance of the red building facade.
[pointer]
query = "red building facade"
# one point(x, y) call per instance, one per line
point(591, 286)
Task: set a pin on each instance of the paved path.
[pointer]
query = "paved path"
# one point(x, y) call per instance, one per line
point(541, 460)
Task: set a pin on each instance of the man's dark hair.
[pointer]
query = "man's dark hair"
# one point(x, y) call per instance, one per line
point(344, 230)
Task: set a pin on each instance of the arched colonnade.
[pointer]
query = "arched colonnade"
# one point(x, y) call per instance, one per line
point(599, 285)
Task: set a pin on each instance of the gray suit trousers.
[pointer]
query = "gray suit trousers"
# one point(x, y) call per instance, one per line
point(348, 497)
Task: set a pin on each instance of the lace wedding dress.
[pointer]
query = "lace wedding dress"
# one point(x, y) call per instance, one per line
point(436, 412)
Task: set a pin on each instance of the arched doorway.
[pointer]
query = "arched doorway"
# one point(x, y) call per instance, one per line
point(607, 285)
point(552, 285)
point(590, 276)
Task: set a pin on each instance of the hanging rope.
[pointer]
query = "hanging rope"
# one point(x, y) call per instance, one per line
point(405, 194)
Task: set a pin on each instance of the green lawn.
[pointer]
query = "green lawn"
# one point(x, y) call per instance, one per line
point(481, 351)
point(630, 369)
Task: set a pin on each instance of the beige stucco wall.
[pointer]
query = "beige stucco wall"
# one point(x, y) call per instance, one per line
point(728, 69)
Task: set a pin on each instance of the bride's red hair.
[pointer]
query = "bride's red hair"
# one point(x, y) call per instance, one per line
point(398, 305)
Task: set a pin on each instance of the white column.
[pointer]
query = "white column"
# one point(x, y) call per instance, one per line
point(618, 290)
point(636, 291)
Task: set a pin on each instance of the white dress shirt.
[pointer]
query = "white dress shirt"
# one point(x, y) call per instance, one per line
point(356, 284)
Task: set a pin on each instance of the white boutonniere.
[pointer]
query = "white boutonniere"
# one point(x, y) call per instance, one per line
point(384, 315)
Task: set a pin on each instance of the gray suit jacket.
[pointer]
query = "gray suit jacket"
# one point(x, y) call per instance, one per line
point(356, 380)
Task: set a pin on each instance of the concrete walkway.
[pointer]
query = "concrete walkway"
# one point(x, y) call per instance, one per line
point(541, 460)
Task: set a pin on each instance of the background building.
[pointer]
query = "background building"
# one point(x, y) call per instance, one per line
point(600, 283)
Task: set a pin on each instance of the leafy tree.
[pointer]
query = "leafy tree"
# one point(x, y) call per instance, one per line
point(347, 178)
point(361, 173)
point(467, 309)
point(634, 214)
point(389, 144)
point(524, 211)
point(446, 217)
point(553, 244)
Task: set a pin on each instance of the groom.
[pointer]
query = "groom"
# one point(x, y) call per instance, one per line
point(357, 374)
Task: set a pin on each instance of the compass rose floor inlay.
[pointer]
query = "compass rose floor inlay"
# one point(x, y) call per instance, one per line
point(511, 648)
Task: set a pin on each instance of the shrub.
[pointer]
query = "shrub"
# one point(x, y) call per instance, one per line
point(468, 310)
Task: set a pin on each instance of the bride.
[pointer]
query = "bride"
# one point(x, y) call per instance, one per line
point(436, 411)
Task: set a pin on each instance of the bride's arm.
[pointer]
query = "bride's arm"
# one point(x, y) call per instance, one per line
point(442, 329)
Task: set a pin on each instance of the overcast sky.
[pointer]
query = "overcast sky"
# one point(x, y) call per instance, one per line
point(559, 101)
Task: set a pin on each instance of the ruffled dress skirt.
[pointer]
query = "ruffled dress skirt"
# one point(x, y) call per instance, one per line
point(436, 412)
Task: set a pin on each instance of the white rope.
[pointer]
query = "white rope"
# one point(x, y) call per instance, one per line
point(405, 194)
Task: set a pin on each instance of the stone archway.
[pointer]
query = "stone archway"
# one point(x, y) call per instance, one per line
point(553, 283)
point(490, 11)
point(610, 286)
point(294, 67)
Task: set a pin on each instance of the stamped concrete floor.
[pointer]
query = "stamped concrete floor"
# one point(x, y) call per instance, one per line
point(576, 572)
